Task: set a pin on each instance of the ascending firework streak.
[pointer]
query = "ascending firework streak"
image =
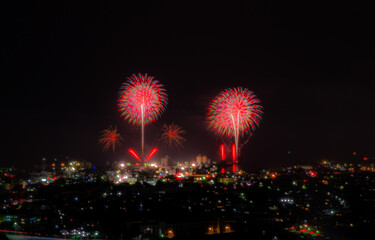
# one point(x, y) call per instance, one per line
point(142, 100)
point(234, 112)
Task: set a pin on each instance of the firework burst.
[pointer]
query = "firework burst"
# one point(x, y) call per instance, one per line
point(172, 135)
point(142, 98)
point(234, 111)
point(110, 138)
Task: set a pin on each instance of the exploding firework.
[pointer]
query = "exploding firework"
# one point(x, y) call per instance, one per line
point(234, 112)
point(172, 135)
point(110, 138)
point(142, 99)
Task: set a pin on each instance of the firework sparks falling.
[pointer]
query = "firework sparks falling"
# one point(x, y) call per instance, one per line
point(172, 135)
point(110, 138)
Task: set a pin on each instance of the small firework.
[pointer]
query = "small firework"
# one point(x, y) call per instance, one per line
point(172, 135)
point(110, 138)
point(142, 99)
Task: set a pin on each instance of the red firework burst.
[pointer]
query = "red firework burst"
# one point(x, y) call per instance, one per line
point(234, 111)
point(142, 97)
point(110, 138)
point(172, 135)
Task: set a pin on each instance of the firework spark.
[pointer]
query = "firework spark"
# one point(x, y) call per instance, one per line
point(110, 138)
point(142, 91)
point(172, 135)
point(152, 153)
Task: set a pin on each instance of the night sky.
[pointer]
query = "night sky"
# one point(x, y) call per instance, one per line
point(310, 63)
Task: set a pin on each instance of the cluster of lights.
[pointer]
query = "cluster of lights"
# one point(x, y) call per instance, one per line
point(79, 233)
point(287, 200)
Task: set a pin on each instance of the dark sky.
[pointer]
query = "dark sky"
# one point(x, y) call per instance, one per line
point(311, 64)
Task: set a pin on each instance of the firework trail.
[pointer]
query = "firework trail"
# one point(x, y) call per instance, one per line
point(142, 100)
point(110, 138)
point(172, 135)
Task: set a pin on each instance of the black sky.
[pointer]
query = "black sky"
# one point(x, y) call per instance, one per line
point(311, 64)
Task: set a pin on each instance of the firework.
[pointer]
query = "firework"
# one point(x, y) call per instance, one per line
point(110, 138)
point(152, 153)
point(172, 135)
point(134, 154)
point(234, 112)
point(142, 100)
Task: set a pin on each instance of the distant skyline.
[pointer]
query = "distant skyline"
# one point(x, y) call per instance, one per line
point(310, 64)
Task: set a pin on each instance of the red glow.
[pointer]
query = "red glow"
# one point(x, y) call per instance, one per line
point(304, 230)
point(134, 154)
point(354, 153)
point(222, 170)
point(234, 168)
point(152, 153)
point(222, 152)
point(172, 135)
point(234, 155)
point(365, 158)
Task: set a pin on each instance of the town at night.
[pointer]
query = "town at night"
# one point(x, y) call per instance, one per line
point(150, 120)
